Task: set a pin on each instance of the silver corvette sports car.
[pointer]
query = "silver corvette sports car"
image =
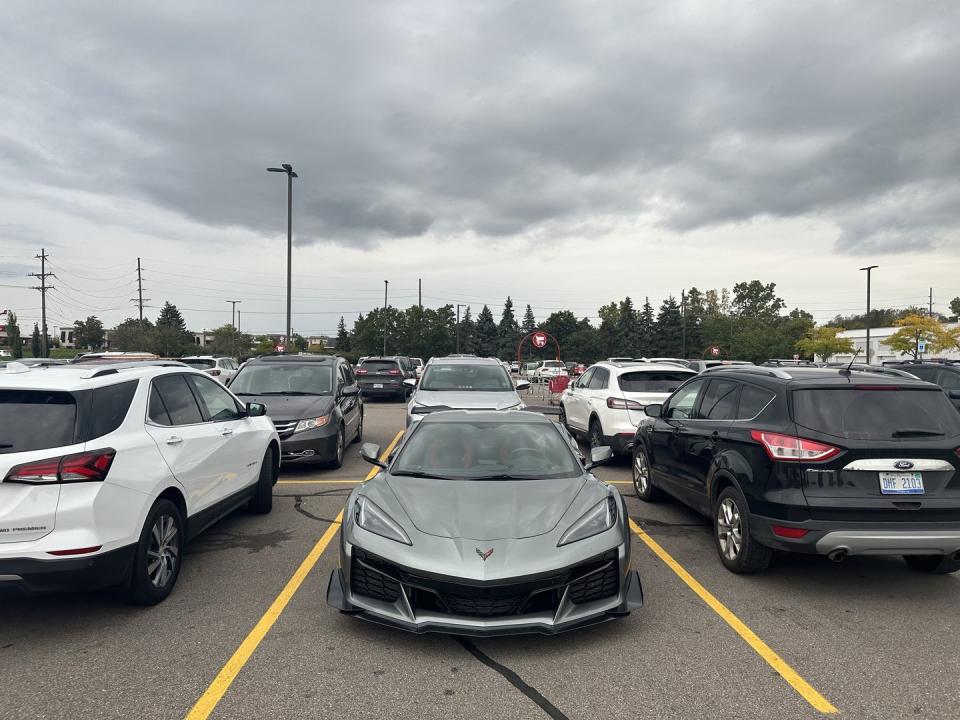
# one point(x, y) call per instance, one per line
point(485, 523)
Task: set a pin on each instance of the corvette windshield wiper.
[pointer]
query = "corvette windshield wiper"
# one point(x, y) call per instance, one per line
point(421, 474)
point(503, 476)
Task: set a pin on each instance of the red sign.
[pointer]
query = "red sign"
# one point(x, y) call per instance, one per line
point(539, 340)
point(281, 348)
point(715, 351)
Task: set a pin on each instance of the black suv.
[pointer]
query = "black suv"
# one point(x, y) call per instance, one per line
point(810, 460)
point(313, 400)
point(945, 374)
point(384, 376)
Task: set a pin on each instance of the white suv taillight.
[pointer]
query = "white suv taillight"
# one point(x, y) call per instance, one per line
point(794, 449)
point(615, 403)
point(90, 466)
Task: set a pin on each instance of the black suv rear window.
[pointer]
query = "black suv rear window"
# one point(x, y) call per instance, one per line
point(379, 366)
point(663, 382)
point(901, 414)
point(36, 420)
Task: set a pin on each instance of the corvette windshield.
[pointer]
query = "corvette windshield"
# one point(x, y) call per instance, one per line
point(487, 451)
point(486, 378)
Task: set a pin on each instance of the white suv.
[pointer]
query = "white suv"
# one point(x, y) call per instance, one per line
point(223, 369)
point(107, 470)
point(606, 403)
point(550, 369)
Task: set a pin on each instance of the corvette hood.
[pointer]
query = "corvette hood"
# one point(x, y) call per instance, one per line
point(485, 509)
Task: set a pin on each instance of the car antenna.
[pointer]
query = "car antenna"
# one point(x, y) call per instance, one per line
point(846, 370)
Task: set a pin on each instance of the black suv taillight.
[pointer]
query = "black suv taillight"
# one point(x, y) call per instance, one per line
point(90, 466)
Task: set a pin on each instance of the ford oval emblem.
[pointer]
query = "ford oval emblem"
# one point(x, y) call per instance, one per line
point(903, 464)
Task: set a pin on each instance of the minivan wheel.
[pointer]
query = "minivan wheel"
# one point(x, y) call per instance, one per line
point(934, 564)
point(337, 460)
point(738, 550)
point(641, 477)
point(156, 560)
point(262, 501)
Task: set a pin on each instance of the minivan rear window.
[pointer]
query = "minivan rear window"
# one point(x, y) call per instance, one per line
point(659, 382)
point(36, 420)
point(900, 414)
point(379, 366)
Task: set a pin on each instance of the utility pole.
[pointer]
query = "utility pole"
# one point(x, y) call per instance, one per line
point(233, 312)
point(868, 269)
point(386, 284)
point(139, 299)
point(931, 302)
point(458, 328)
point(420, 292)
point(43, 275)
point(683, 323)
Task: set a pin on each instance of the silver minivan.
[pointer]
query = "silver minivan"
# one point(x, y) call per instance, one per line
point(463, 383)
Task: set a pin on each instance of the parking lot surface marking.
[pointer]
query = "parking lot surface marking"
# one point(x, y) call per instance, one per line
point(803, 688)
point(318, 482)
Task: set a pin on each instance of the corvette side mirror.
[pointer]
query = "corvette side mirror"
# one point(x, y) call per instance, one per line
point(371, 453)
point(600, 456)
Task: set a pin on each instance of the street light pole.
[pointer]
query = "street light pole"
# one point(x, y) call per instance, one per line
point(458, 328)
point(288, 169)
point(868, 269)
point(386, 284)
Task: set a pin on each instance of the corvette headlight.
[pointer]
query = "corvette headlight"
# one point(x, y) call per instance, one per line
point(312, 423)
point(599, 518)
point(371, 518)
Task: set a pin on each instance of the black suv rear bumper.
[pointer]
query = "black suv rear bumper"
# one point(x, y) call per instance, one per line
point(877, 538)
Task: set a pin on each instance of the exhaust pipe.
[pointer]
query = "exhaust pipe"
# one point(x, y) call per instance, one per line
point(838, 555)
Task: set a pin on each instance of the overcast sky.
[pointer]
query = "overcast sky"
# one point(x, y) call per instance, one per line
point(565, 153)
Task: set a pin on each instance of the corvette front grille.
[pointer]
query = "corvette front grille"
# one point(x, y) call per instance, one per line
point(379, 579)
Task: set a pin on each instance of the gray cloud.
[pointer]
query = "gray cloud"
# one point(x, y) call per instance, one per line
point(495, 119)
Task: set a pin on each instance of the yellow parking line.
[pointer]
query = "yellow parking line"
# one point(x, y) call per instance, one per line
point(221, 683)
point(805, 689)
point(317, 482)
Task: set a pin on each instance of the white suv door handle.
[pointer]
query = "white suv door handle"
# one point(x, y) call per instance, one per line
point(174, 440)
point(226, 431)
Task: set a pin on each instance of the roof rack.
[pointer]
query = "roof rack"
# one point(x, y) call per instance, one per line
point(113, 368)
point(753, 369)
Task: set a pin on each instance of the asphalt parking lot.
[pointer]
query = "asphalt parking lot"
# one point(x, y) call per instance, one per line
point(247, 634)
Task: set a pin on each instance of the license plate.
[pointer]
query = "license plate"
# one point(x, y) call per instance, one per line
point(901, 483)
point(378, 386)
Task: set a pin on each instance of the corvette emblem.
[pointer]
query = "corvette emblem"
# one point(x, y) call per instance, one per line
point(484, 555)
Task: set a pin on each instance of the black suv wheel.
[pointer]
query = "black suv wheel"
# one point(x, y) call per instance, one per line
point(641, 477)
point(738, 550)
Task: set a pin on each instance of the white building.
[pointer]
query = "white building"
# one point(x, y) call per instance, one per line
point(879, 352)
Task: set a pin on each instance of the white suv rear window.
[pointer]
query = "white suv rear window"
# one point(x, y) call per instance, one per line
point(36, 420)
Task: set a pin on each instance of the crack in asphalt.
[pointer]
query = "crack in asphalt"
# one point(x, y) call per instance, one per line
point(510, 676)
point(298, 502)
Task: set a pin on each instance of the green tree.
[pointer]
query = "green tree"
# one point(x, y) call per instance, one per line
point(607, 334)
point(88, 334)
point(647, 329)
point(584, 344)
point(132, 335)
point(36, 347)
point(170, 337)
point(13, 336)
point(343, 337)
point(693, 322)
point(628, 329)
point(530, 322)
point(562, 324)
point(468, 333)
point(486, 333)
point(227, 340)
point(915, 328)
point(263, 345)
point(954, 307)
point(508, 332)
point(669, 328)
point(823, 342)
point(756, 301)
point(300, 343)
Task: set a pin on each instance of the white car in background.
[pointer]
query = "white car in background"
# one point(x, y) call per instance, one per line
point(417, 365)
point(606, 403)
point(224, 369)
point(134, 460)
point(550, 369)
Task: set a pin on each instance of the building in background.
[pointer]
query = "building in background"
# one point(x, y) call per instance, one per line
point(879, 352)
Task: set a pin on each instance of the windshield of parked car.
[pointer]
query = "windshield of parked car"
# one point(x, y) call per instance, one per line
point(900, 414)
point(653, 381)
point(553, 364)
point(200, 363)
point(36, 420)
point(487, 451)
point(276, 379)
point(462, 377)
point(378, 367)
